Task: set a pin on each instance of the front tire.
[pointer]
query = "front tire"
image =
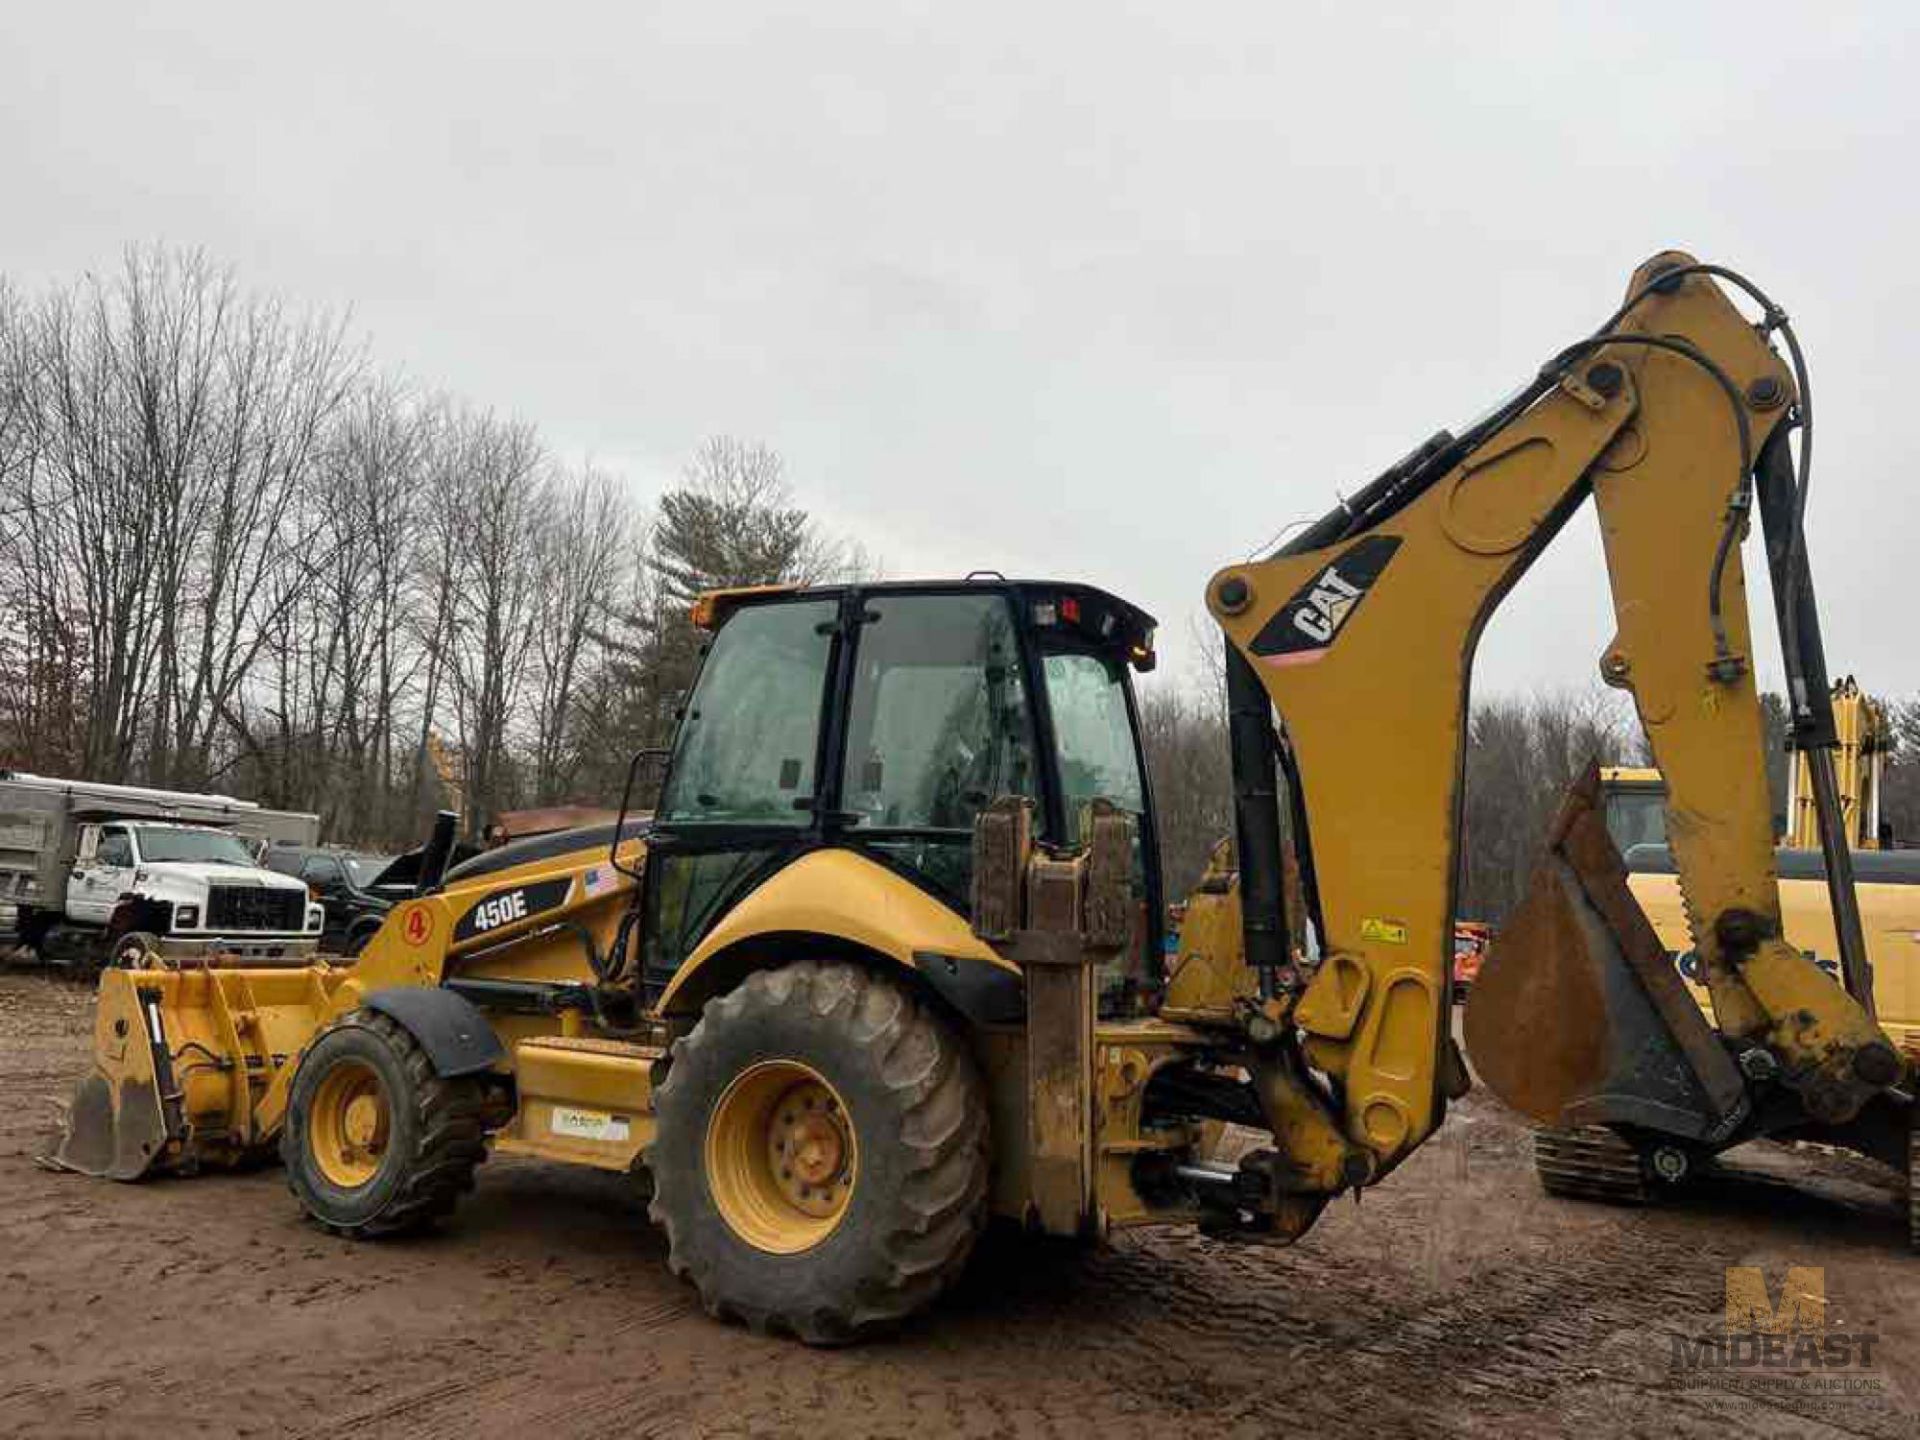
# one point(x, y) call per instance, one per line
point(131, 950)
point(820, 1164)
point(376, 1143)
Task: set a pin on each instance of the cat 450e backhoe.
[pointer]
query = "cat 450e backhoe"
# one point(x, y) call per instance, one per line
point(886, 959)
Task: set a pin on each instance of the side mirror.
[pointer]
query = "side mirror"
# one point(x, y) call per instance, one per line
point(655, 756)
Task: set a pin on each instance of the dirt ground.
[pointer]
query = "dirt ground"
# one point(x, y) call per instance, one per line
point(1455, 1300)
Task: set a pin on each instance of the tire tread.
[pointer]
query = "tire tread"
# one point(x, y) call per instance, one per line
point(450, 1118)
point(938, 1213)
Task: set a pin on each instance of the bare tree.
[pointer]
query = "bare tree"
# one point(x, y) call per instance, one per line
point(1521, 757)
point(92, 510)
point(500, 500)
point(247, 539)
point(1187, 761)
point(579, 548)
point(1900, 783)
point(227, 556)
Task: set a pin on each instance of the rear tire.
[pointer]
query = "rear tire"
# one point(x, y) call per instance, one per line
point(376, 1143)
point(878, 1106)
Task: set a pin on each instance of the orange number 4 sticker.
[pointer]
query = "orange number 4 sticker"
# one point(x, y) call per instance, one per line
point(419, 925)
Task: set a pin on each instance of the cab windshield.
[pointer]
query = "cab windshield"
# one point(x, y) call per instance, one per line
point(361, 869)
point(201, 847)
point(1636, 817)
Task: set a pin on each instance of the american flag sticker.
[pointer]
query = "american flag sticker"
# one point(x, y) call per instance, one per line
point(598, 880)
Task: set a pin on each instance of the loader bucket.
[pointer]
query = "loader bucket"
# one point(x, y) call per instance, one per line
point(1578, 1017)
point(117, 1126)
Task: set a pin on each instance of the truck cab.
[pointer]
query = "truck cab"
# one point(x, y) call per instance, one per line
point(186, 888)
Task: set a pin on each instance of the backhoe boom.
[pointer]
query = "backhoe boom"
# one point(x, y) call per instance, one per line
point(1362, 634)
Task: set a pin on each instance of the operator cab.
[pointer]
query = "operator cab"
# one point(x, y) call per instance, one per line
point(883, 718)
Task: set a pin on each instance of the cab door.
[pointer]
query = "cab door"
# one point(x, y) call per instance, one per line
point(939, 726)
point(745, 792)
point(99, 880)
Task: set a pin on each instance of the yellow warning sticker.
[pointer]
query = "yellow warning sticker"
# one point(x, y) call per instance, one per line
point(1387, 932)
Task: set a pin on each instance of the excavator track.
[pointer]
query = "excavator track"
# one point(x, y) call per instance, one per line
point(1592, 1163)
point(1913, 1186)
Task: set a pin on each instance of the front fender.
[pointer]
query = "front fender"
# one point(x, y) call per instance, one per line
point(450, 1028)
point(840, 895)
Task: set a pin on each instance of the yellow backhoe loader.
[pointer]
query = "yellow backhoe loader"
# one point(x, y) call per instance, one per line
point(885, 959)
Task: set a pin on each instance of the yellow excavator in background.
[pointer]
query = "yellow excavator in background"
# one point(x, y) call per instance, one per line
point(1862, 739)
point(1887, 879)
point(885, 960)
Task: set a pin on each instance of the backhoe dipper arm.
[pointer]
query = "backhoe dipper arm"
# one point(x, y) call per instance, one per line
point(1362, 634)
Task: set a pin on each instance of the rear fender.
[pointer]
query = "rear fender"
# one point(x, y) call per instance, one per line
point(839, 899)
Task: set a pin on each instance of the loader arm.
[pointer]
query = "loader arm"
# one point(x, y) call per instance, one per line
point(1361, 634)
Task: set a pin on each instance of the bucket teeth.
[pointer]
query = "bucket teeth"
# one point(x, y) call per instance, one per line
point(1590, 1163)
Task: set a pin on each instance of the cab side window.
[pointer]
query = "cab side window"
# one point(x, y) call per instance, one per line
point(940, 726)
point(745, 753)
point(322, 872)
point(115, 850)
point(287, 862)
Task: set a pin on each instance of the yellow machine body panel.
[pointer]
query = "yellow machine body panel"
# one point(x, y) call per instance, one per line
point(836, 895)
point(1636, 800)
point(583, 1100)
point(1386, 892)
point(1889, 914)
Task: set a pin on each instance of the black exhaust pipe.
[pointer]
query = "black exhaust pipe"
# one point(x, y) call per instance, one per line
point(433, 859)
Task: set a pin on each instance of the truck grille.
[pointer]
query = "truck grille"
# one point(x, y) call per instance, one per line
point(252, 907)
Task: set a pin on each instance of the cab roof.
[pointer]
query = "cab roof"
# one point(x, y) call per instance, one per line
point(161, 823)
point(1100, 616)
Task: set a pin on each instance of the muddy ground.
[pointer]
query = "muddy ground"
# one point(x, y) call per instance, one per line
point(1455, 1300)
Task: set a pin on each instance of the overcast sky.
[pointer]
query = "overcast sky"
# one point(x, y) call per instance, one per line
point(1109, 291)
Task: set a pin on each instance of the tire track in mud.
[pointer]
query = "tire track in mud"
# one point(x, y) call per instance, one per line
point(505, 1384)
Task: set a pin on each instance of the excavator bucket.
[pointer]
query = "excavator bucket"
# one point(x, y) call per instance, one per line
point(118, 1123)
point(1578, 1016)
point(187, 1063)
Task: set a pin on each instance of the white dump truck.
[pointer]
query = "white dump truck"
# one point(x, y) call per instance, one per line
point(89, 872)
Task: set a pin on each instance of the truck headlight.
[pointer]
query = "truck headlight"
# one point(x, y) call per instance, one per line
point(186, 917)
point(316, 917)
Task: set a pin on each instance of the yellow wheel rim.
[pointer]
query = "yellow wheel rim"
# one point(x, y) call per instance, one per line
point(349, 1125)
point(781, 1157)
